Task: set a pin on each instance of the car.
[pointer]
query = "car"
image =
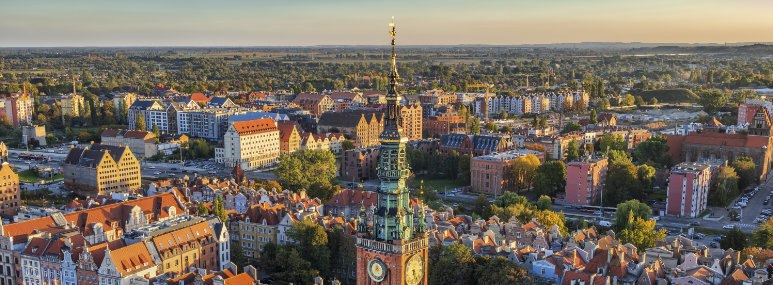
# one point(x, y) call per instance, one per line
point(174, 169)
point(605, 224)
point(655, 218)
point(157, 173)
point(598, 213)
point(151, 167)
point(267, 280)
point(728, 227)
point(451, 195)
point(714, 244)
point(717, 238)
point(212, 172)
point(695, 223)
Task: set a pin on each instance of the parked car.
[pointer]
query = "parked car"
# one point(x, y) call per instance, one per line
point(605, 224)
point(729, 227)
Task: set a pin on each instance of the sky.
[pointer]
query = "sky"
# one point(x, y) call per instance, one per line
point(43, 23)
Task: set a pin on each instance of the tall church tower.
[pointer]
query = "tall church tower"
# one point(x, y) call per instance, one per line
point(393, 250)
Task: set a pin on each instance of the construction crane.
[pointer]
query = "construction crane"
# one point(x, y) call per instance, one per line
point(488, 87)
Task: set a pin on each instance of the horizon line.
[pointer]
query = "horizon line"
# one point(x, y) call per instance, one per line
point(404, 45)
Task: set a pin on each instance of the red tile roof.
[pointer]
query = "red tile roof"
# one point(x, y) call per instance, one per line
point(200, 98)
point(255, 126)
point(156, 206)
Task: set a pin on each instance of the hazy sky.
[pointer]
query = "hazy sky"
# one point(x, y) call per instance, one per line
point(314, 22)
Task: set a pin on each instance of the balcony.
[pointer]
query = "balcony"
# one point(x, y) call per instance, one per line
point(386, 247)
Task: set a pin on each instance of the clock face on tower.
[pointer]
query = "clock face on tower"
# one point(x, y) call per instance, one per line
point(414, 270)
point(376, 270)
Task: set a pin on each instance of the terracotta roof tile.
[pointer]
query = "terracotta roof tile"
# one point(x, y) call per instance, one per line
point(255, 126)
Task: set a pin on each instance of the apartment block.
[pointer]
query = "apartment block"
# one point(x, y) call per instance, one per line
point(585, 180)
point(688, 189)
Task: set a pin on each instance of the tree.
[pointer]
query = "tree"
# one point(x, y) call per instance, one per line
point(594, 117)
point(735, 239)
point(323, 190)
point(218, 209)
point(604, 104)
point(550, 218)
point(628, 100)
point(311, 240)
point(347, 145)
point(481, 206)
point(653, 151)
point(550, 178)
point(763, 235)
point(453, 264)
point(725, 187)
point(572, 151)
point(139, 123)
point(155, 130)
point(521, 174)
point(639, 101)
point(641, 232)
point(611, 142)
point(544, 202)
point(304, 168)
point(653, 101)
point(203, 210)
point(343, 258)
point(499, 270)
point(631, 207)
point(474, 126)
point(622, 182)
point(712, 100)
point(491, 127)
point(746, 170)
point(646, 176)
point(464, 167)
point(571, 127)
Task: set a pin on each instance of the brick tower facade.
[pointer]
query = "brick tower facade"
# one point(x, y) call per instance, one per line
point(393, 249)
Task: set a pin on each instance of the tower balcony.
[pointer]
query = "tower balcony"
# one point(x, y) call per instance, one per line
point(399, 247)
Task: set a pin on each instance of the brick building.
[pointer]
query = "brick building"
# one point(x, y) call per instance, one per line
point(359, 164)
point(489, 172)
point(362, 127)
point(443, 124)
point(315, 103)
point(713, 143)
point(101, 169)
point(9, 190)
point(585, 180)
point(688, 189)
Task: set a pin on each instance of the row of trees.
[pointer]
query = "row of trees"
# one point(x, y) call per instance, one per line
point(449, 165)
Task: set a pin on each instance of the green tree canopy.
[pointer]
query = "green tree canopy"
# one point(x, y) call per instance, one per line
point(304, 168)
point(735, 239)
point(746, 170)
point(712, 100)
point(611, 142)
point(763, 235)
point(544, 202)
point(631, 207)
point(571, 127)
point(725, 187)
point(550, 178)
point(521, 174)
point(572, 151)
point(594, 117)
point(622, 182)
point(653, 151)
point(641, 233)
point(139, 123)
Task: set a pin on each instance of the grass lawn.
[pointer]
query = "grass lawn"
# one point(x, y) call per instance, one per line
point(28, 176)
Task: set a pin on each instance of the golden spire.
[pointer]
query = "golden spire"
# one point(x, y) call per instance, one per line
point(393, 75)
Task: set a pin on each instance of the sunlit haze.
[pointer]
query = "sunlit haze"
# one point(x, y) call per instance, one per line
point(350, 22)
